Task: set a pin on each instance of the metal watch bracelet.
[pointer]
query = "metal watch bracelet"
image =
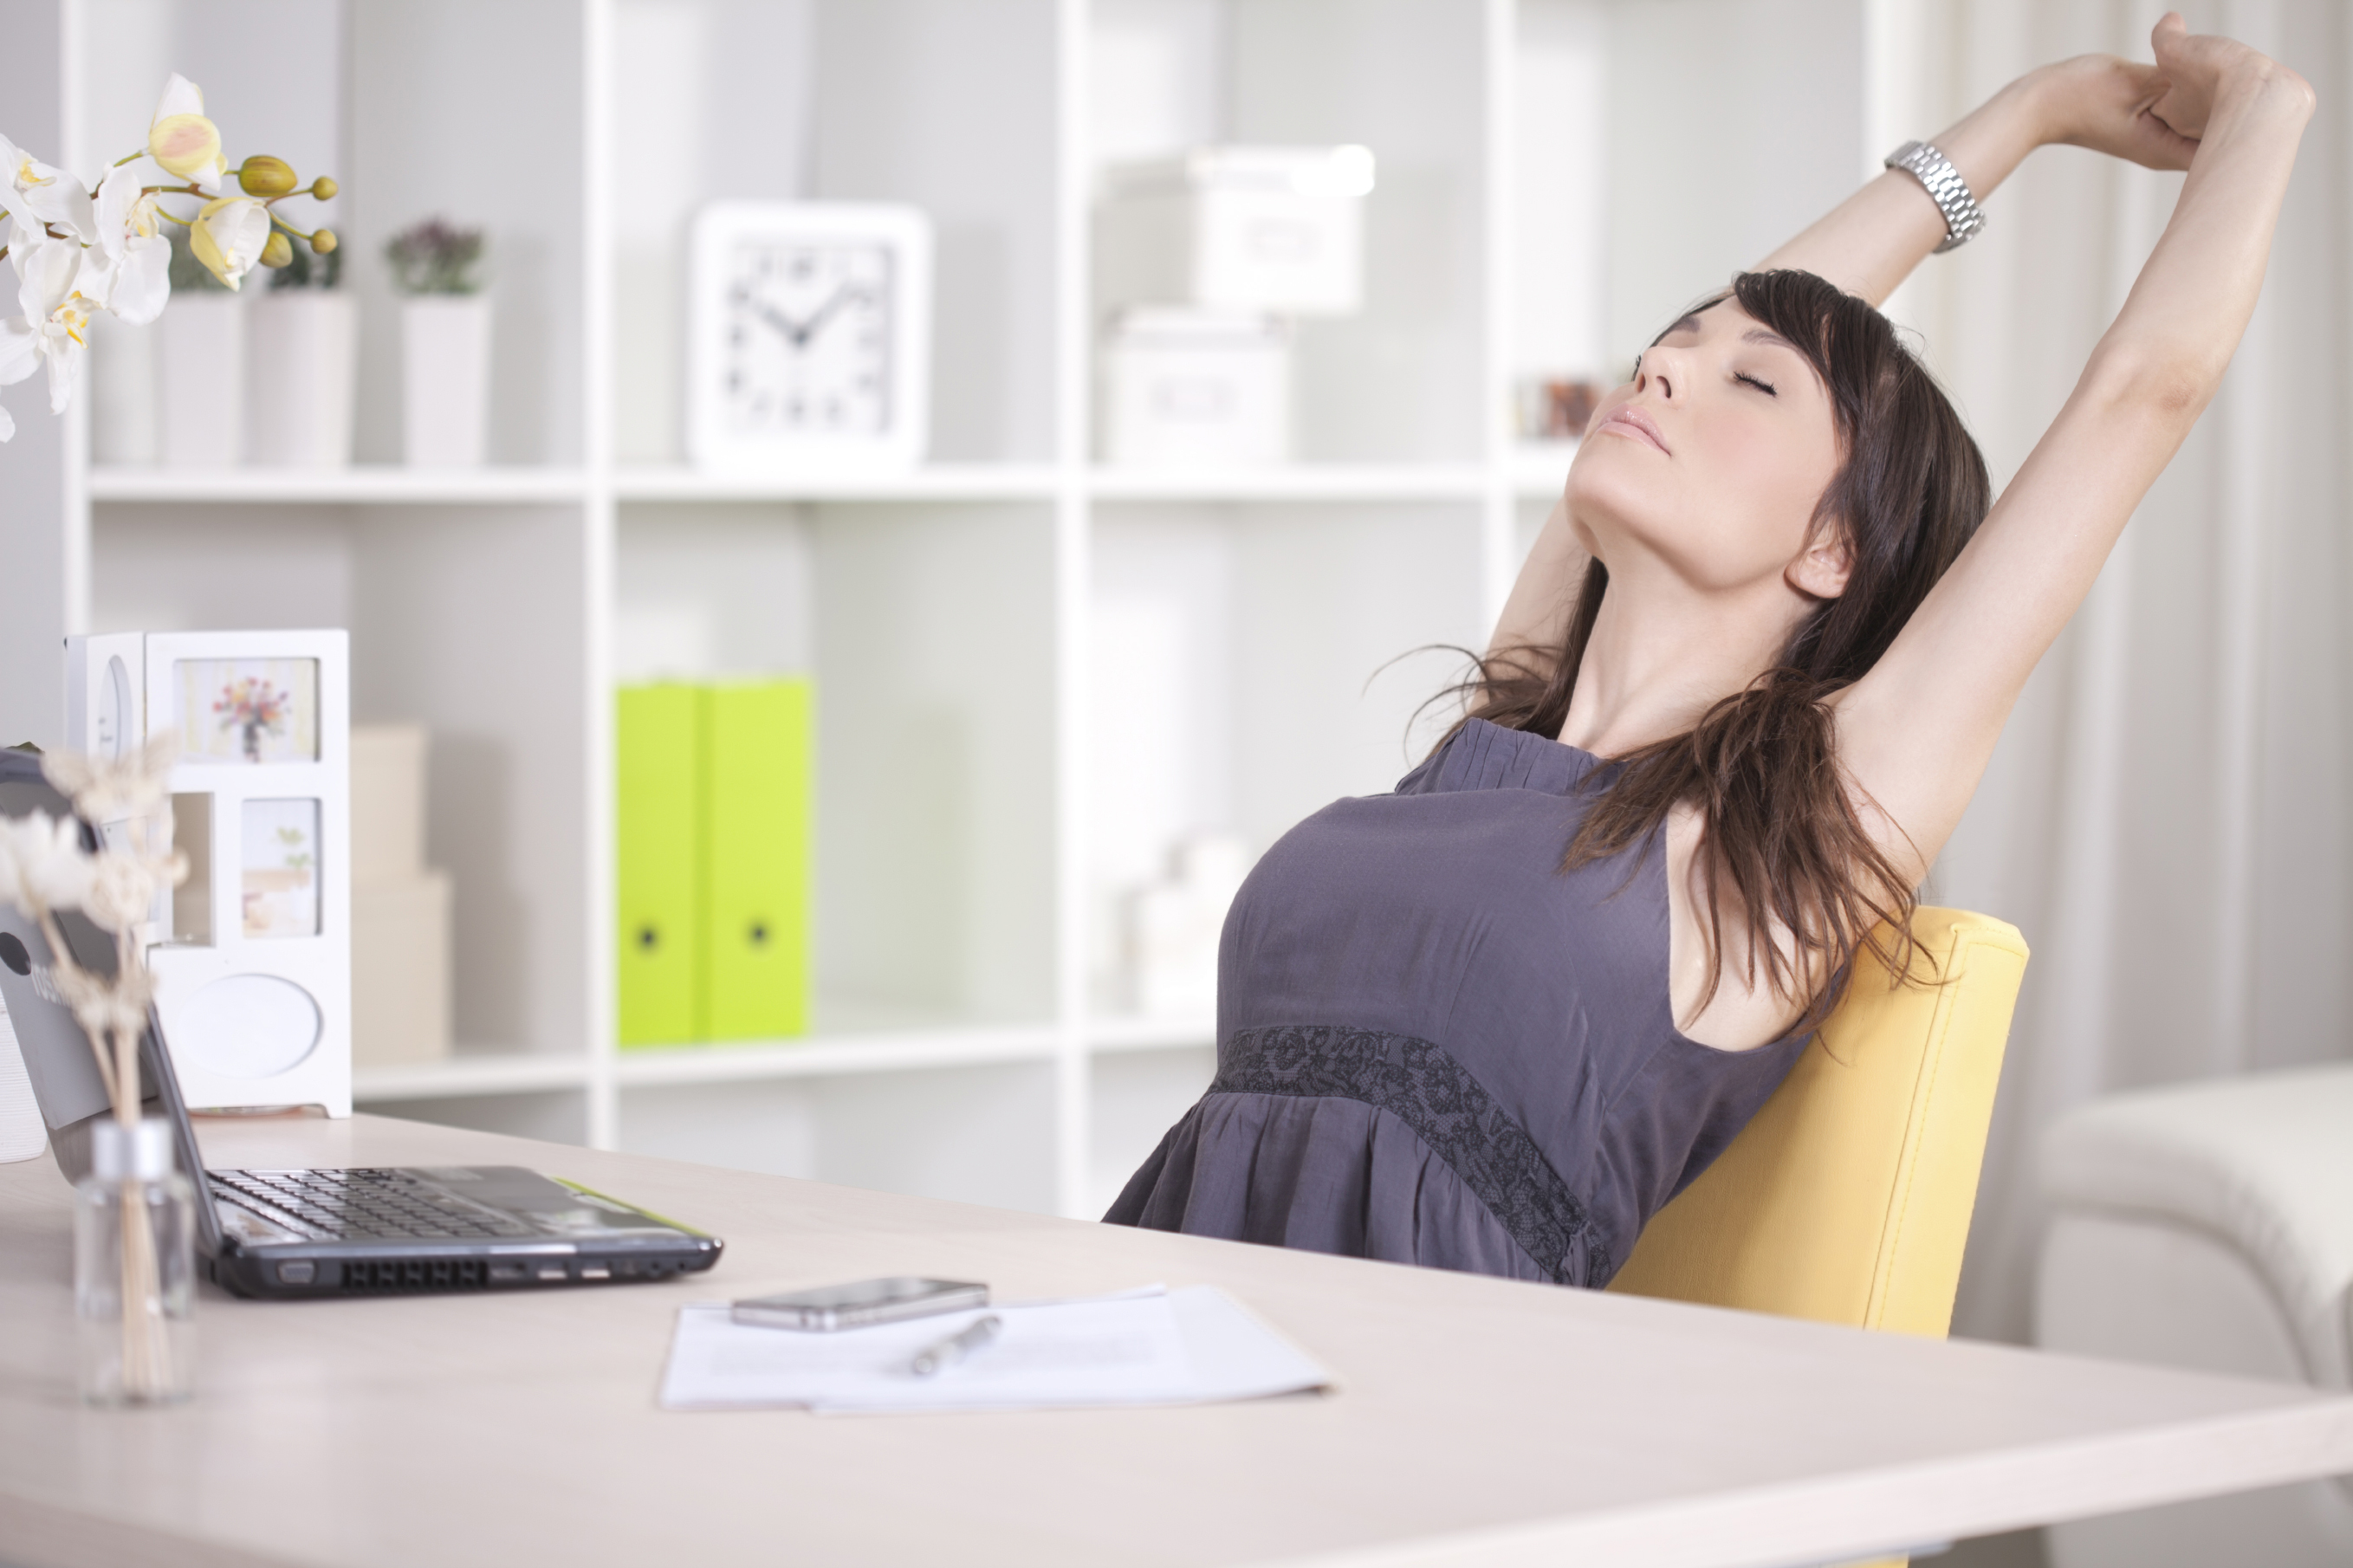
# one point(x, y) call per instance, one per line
point(1945, 187)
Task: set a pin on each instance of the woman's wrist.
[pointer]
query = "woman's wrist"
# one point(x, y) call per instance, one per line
point(2072, 102)
point(2260, 86)
point(2043, 100)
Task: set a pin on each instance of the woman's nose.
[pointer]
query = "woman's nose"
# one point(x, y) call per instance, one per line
point(1659, 370)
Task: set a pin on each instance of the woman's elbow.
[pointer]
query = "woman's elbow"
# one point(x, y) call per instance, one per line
point(2168, 386)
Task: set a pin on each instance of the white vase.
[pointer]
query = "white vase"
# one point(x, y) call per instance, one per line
point(301, 351)
point(122, 394)
point(445, 380)
point(200, 379)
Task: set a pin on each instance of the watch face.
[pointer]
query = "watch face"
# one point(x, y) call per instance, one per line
point(809, 338)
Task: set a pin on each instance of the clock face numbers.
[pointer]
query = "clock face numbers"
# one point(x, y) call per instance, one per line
point(808, 346)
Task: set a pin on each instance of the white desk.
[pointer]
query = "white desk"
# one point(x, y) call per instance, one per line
point(1477, 1421)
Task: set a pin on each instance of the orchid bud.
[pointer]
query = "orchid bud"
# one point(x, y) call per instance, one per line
point(323, 241)
point(185, 144)
point(324, 188)
point(265, 176)
point(278, 252)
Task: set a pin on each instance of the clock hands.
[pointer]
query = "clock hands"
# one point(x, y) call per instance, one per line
point(799, 332)
point(840, 298)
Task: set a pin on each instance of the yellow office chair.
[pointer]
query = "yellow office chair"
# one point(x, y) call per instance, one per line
point(1847, 1200)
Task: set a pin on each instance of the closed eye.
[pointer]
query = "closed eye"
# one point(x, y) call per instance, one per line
point(1760, 384)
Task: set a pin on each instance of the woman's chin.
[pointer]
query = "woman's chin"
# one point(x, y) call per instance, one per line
point(1609, 476)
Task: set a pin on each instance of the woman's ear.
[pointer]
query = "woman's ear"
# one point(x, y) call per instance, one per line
point(1821, 571)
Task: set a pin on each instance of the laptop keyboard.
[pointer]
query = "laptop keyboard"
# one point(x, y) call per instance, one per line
point(341, 1205)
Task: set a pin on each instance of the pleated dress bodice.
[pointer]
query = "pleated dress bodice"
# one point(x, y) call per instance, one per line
point(1435, 1047)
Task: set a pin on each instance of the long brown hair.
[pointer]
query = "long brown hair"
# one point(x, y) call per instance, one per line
point(1777, 821)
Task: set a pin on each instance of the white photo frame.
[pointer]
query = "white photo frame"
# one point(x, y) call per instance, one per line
point(809, 327)
point(253, 961)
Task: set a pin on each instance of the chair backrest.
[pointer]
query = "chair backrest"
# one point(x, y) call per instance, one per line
point(1847, 1200)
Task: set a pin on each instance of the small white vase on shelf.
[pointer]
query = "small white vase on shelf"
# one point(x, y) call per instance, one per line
point(301, 356)
point(200, 381)
point(445, 380)
point(123, 394)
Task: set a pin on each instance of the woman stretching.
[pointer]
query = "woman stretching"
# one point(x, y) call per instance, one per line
point(1736, 702)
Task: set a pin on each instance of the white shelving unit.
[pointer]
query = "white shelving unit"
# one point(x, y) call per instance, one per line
point(1033, 669)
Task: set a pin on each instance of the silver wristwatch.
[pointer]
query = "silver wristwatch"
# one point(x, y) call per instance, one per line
point(1945, 186)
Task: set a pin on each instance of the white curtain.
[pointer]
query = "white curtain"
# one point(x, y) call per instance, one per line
point(2165, 817)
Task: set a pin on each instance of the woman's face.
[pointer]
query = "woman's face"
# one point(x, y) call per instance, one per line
point(1713, 459)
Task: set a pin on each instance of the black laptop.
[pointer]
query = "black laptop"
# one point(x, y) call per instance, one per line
point(323, 1232)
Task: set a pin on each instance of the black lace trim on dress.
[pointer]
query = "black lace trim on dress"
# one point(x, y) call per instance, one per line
point(1424, 1087)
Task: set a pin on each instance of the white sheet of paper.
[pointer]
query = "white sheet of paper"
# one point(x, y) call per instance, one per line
point(1161, 1348)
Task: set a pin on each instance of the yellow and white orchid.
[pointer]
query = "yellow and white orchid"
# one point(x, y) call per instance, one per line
point(227, 236)
point(35, 194)
point(55, 326)
point(134, 272)
point(182, 139)
point(75, 255)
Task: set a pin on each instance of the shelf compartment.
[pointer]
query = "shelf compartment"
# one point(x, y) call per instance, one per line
point(471, 620)
point(379, 484)
point(947, 105)
point(1251, 663)
point(928, 629)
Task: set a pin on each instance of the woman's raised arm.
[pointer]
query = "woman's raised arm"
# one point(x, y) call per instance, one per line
point(1871, 242)
point(1916, 733)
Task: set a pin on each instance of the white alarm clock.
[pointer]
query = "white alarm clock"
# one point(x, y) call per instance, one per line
point(809, 335)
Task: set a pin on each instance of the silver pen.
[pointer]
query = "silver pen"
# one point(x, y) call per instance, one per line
point(931, 1360)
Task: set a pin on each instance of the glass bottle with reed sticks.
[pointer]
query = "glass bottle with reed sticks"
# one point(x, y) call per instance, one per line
point(135, 1267)
point(108, 863)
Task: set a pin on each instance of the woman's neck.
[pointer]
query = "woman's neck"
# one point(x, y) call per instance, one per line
point(1663, 653)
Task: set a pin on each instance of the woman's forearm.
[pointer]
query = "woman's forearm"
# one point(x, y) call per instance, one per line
point(2186, 311)
point(1871, 242)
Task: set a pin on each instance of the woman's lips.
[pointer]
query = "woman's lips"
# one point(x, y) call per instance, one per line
point(1635, 425)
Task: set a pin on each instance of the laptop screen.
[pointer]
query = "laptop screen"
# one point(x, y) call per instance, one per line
point(57, 1057)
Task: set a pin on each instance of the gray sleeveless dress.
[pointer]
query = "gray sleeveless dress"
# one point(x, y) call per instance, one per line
point(1435, 1048)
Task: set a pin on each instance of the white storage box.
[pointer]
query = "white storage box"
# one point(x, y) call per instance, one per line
point(1171, 930)
point(1237, 228)
point(1196, 388)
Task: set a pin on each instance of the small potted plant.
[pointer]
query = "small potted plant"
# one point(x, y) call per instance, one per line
point(301, 363)
point(445, 339)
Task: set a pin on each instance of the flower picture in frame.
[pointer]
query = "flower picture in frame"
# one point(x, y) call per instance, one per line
point(254, 711)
